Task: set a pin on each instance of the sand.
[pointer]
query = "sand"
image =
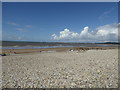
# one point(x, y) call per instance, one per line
point(66, 69)
point(19, 51)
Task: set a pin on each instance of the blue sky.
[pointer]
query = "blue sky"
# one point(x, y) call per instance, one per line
point(29, 21)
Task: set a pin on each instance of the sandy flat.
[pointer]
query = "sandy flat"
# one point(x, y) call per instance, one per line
point(82, 69)
point(19, 51)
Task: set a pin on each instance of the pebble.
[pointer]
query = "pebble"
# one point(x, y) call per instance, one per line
point(81, 71)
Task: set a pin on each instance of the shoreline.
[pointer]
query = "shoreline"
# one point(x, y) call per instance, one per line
point(58, 49)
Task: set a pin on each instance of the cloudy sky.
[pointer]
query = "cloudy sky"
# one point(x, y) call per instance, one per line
point(66, 22)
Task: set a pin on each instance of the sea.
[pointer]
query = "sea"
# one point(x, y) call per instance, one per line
point(38, 45)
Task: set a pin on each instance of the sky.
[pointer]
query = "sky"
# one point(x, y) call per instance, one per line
point(0, 21)
point(60, 21)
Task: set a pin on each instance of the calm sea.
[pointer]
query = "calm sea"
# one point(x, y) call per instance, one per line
point(38, 47)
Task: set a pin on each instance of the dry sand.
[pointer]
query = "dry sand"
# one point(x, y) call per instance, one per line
point(82, 69)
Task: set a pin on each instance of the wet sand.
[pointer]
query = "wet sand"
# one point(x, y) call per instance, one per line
point(75, 68)
point(19, 51)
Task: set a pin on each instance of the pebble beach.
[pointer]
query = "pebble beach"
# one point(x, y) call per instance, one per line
point(66, 69)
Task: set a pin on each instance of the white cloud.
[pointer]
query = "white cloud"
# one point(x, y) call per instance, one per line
point(100, 34)
point(8, 37)
point(28, 26)
point(13, 23)
point(105, 15)
point(66, 34)
point(18, 25)
point(21, 29)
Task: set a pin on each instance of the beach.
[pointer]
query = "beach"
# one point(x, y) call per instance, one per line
point(70, 68)
point(59, 44)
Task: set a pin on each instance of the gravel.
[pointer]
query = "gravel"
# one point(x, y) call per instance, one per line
point(87, 69)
